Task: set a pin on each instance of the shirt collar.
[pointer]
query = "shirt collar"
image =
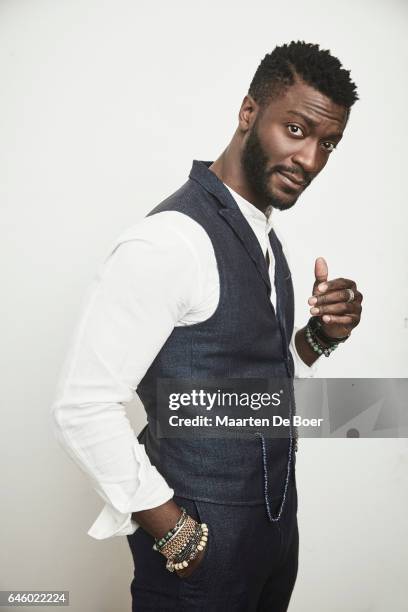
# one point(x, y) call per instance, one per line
point(250, 211)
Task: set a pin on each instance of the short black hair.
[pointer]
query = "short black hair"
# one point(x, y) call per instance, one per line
point(316, 67)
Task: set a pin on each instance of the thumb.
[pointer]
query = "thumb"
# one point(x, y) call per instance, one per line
point(321, 270)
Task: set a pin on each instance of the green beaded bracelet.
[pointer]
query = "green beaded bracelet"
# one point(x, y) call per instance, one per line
point(160, 542)
point(315, 344)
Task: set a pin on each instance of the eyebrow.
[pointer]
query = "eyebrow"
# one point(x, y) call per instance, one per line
point(311, 123)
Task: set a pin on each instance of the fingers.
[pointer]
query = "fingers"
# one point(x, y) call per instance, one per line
point(329, 298)
point(339, 308)
point(333, 305)
point(321, 270)
point(335, 285)
point(332, 297)
point(349, 320)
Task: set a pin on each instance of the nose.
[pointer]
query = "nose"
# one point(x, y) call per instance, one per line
point(309, 158)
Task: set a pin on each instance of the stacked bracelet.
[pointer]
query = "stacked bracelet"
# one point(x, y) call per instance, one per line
point(183, 542)
point(159, 543)
point(195, 544)
point(317, 330)
point(180, 538)
point(314, 343)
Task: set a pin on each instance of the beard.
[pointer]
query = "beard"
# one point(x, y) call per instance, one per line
point(254, 163)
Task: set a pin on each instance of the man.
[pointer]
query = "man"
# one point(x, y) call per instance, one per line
point(201, 289)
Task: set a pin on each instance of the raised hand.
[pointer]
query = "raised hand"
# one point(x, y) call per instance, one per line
point(337, 302)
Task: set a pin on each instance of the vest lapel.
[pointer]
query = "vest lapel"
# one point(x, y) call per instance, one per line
point(230, 211)
point(243, 230)
point(281, 306)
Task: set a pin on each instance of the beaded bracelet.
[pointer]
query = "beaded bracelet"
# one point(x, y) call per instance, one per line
point(175, 543)
point(160, 542)
point(316, 327)
point(315, 344)
point(183, 542)
point(189, 551)
point(190, 545)
point(174, 563)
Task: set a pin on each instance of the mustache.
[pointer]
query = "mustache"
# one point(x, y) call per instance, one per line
point(305, 177)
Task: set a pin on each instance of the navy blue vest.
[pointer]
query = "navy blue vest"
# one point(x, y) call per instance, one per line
point(244, 338)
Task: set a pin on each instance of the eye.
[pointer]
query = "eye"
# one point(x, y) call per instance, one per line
point(295, 130)
point(330, 146)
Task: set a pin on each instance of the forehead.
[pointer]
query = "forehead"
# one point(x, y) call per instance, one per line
point(307, 101)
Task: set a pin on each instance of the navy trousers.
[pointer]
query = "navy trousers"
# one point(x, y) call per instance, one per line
point(250, 563)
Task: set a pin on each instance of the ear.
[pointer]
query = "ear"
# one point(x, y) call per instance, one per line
point(247, 113)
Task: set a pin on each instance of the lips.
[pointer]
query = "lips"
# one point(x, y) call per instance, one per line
point(289, 180)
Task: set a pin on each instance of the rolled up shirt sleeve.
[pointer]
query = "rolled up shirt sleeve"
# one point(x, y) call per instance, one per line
point(141, 290)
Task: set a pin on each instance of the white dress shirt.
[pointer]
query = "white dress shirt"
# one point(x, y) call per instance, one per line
point(158, 274)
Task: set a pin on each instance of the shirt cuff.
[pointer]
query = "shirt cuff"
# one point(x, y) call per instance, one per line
point(111, 522)
point(152, 491)
point(302, 370)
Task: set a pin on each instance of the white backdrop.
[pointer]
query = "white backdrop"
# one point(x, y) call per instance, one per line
point(103, 106)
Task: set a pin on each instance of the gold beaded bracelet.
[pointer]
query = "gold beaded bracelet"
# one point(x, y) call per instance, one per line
point(171, 566)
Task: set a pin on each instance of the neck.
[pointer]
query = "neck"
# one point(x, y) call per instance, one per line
point(229, 170)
